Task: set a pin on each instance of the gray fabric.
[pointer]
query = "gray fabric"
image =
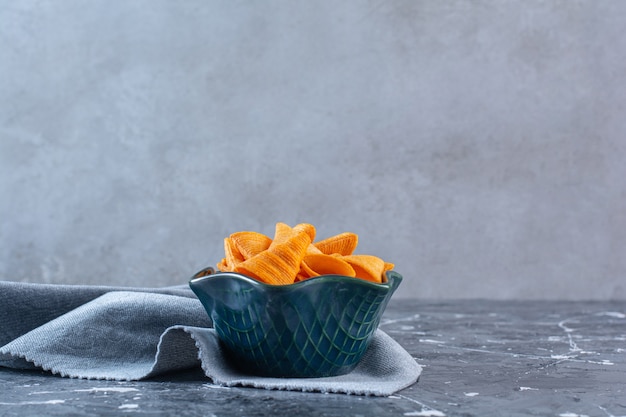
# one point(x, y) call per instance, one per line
point(385, 368)
point(132, 333)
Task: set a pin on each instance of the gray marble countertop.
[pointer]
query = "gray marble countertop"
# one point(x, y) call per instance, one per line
point(480, 358)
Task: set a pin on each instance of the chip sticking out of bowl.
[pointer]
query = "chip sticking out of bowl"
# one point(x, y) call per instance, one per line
point(293, 255)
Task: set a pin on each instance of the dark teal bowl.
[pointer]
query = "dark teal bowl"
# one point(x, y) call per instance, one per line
point(314, 328)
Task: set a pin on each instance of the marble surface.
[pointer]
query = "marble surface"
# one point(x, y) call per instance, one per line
point(565, 359)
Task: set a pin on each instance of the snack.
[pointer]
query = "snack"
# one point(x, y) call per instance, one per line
point(293, 255)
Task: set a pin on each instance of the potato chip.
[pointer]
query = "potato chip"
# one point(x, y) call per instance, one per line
point(367, 267)
point(280, 263)
point(321, 264)
point(292, 256)
point(343, 244)
point(250, 244)
point(283, 232)
point(311, 250)
point(233, 256)
point(306, 227)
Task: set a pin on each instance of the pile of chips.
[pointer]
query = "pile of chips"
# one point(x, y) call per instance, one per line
point(293, 256)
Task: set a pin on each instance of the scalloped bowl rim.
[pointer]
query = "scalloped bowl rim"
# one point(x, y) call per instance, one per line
point(296, 285)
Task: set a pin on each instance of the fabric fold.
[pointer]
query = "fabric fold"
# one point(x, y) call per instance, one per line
point(132, 334)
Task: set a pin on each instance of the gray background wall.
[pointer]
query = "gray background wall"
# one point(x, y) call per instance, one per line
point(479, 145)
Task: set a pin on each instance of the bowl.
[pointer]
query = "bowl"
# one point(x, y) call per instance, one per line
point(314, 328)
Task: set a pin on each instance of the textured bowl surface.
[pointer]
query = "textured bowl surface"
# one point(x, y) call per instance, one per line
point(314, 328)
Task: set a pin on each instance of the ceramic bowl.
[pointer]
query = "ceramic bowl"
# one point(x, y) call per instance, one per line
point(314, 328)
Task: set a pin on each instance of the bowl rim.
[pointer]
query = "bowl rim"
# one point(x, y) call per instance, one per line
point(392, 280)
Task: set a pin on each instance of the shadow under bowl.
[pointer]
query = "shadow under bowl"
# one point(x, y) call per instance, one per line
point(314, 328)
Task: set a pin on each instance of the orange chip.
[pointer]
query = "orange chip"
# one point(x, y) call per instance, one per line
point(301, 276)
point(283, 232)
point(292, 255)
point(222, 266)
point(250, 243)
point(321, 264)
point(233, 256)
point(367, 267)
point(311, 250)
point(267, 267)
point(306, 227)
point(280, 263)
point(343, 244)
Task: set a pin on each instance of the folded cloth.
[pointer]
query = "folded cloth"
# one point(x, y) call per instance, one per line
point(120, 333)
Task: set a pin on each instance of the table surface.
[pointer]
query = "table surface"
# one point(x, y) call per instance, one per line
point(480, 358)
